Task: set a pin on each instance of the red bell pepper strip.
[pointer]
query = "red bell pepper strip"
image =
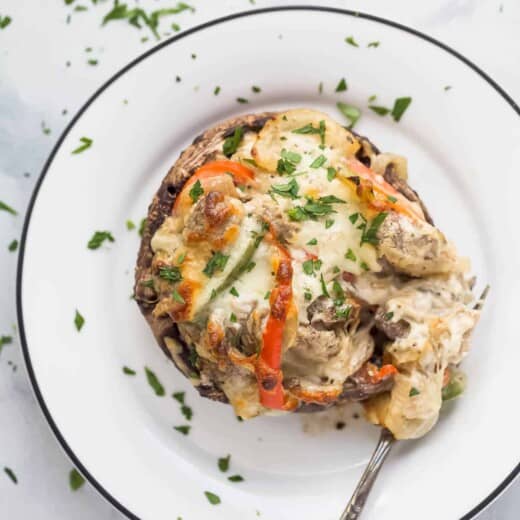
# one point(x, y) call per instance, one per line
point(268, 371)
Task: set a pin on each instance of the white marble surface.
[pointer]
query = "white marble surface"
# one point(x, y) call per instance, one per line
point(36, 86)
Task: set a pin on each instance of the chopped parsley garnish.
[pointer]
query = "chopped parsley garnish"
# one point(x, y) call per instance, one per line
point(86, 143)
point(320, 87)
point(236, 478)
point(233, 317)
point(289, 190)
point(369, 235)
point(129, 371)
point(75, 480)
point(223, 463)
point(234, 292)
point(154, 382)
point(400, 106)
point(307, 295)
point(242, 100)
point(256, 89)
point(351, 112)
point(177, 297)
point(181, 258)
point(231, 143)
point(187, 412)
point(252, 162)
point(183, 429)
point(393, 200)
point(413, 392)
point(380, 111)
point(216, 91)
point(314, 208)
point(213, 294)
point(176, 27)
point(148, 283)
point(5, 21)
point(196, 191)
point(374, 44)
point(447, 87)
point(324, 287)
point(5, 207)
point(92, 62)
point(350, 255)
point(350, 40)
point(212, 498)
point(13, 246)
point(310, 266)
point(98, 238)
point(373, 97)
point(388, 315)
point(130, 225)
point(287, 162)
point(312, 242)
point(142, 227)
point(331, 173)
point(328, 223)
point(138, 16)
point(171, 274)
point(353, 218)
point(10, 473)
point(179, 396)
point(216, 263)
point(318, 162)
point(342, 85)
point(364, 266)
point(309, 129)
point(45, 129)
point(267, 295)
point(343, 312)
point(79, 320)
point(339, 294)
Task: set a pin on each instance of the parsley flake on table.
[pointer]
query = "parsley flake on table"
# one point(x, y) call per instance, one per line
point(75, 480)
point(5, 21)
point(350, 40)
point(79, 321)
point(223, 463)
point(154, 382)
point(10, 473)
point(342, 85)
point(5, 207)
point(351, 112)
point(98, 238)
point(86, 143)
point(400, 106)
point(212, 498)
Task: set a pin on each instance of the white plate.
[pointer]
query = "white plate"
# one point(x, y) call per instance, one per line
point(463, 152)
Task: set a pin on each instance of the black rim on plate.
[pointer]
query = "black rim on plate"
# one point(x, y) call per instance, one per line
point(477, 509)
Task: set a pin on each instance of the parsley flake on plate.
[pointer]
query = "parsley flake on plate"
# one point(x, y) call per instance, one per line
point(380, 111)
point(185, 429)
point(98, 238)
point(179, 396)
point(5, 207)
point(79, 321)
point(10, 473)
point(13, 246)
point(236, 478)
point(400, 106)
point(86, 143)
point(154, 382)
point(223, 463)
point(342, 85)
point(129, 371)
point(350, 40)
point(351, 112)
point(212, 498)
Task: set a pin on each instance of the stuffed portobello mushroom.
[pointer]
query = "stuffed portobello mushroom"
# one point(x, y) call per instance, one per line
point(286, 265)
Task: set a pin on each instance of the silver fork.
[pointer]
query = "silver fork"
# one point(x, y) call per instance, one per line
point(385, 443)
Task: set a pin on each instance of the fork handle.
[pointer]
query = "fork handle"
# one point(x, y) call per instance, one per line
point(357, 502)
